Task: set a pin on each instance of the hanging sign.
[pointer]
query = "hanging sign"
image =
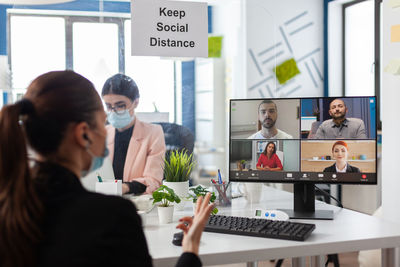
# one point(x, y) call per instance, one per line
point(169, 28)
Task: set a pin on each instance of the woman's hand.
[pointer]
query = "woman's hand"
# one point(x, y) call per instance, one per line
point(125, 188)
point(193, 227)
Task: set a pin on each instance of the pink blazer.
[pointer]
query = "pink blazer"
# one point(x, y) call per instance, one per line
point(145, 155)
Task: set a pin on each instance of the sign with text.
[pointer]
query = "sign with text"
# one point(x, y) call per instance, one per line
point(169, 28)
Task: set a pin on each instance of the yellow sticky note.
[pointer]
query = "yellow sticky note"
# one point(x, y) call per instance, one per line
point(214, 46)
point(395, 33)
point(393, 67)
point(394, 3)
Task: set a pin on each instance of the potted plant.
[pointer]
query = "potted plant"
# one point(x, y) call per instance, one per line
point(202, 191)
point(165, 196)
point(243, 162)
point(177, 169)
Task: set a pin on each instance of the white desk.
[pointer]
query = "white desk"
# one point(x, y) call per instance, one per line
point(349, 231)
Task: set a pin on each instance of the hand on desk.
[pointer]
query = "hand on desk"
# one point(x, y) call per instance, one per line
point(193, 227)
point(125, 188)
point(133, 187)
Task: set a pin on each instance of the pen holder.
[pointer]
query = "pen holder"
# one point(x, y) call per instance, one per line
point(223, 193)
point(109, 187)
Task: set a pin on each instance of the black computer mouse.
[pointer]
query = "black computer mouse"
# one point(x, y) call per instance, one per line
point(177, 240)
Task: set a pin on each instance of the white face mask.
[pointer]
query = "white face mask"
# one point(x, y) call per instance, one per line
point(120, 120)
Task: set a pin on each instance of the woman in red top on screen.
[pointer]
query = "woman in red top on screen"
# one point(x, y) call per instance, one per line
point(268, 160)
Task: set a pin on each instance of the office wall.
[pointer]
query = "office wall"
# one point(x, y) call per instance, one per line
point(280, 30)
point(291, 154)
point(390, 118)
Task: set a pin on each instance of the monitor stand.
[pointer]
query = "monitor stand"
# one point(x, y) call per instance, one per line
point(304, 204)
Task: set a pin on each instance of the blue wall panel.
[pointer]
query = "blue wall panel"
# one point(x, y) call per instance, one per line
point(188, 96)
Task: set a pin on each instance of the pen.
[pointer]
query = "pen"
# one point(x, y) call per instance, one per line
point(99, 178)
point(219, 177)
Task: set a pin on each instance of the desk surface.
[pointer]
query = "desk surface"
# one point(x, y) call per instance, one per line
point(349, 231)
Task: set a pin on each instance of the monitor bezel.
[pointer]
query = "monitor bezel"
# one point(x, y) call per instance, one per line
point(375, 182)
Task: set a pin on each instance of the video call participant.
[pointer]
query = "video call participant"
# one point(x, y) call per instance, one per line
point(340, 152)
point(268, 160)
point(47, 217)
point(136, 148)
point(339, 126)
point(267, 116)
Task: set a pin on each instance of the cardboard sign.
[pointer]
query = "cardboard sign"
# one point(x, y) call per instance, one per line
point(169, 28)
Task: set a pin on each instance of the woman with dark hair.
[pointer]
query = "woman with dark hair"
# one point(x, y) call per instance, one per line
point(268, 160)
point(136, 148)
point(46, 217)
point(340, 152)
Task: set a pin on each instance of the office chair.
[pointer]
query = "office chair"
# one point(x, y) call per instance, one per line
point(177, 137)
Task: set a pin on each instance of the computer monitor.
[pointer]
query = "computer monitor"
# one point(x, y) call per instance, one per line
point(339, 146)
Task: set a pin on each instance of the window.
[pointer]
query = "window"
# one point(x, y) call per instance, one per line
point(154, 77)
point(359, 48)
point(95, 47)
point(95, 51)
point(37, 46)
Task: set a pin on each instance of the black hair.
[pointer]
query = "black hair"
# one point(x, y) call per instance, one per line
point(120, 84)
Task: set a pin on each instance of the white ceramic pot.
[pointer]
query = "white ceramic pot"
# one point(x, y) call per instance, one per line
point(182, 190)
point(165, 214)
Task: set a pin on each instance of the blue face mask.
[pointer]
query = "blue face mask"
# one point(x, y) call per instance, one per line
point(97, 161)
point(120, 120)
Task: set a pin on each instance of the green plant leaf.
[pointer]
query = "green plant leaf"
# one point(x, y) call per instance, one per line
point(165, 195)
point(214, 211)
point(178, 166)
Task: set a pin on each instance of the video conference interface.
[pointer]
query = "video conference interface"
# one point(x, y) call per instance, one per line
point(327, 140)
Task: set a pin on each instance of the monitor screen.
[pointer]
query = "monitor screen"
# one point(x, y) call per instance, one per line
point(308, 140)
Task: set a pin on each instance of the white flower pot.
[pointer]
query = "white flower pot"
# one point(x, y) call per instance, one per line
point(165, 214)
point(182, 190)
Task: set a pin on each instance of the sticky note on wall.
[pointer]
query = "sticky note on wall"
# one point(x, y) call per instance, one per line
point(394, 3)
point(393, 67)
point(286, 71)
point(214, 46)
point(395, 33)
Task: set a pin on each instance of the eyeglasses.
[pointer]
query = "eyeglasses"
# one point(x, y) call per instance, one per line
point(119, 108)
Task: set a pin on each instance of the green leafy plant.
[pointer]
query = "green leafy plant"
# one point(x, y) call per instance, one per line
point(166, 196)
point(201, 191)
point(178, 166)
point(243, 161)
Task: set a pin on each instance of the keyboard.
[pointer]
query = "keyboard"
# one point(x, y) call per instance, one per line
point(259, 227)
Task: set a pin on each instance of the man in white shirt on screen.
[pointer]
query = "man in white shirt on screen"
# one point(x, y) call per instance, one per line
point(267, 116)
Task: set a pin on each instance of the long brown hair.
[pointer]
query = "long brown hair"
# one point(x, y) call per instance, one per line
point(53, 100)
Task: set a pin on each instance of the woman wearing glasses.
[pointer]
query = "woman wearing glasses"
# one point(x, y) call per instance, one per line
point(136, 148)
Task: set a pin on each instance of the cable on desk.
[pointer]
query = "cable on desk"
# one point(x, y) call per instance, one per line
point(329, 195)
